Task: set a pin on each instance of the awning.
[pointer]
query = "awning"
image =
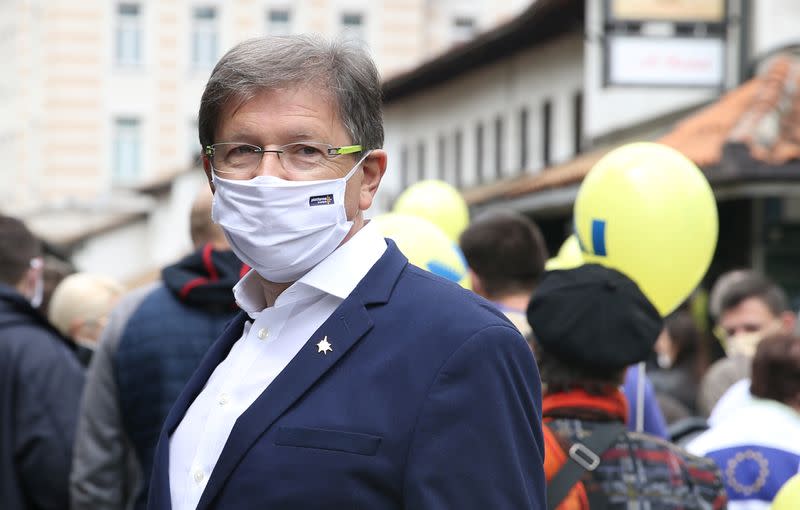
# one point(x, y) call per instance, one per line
point(751, 135)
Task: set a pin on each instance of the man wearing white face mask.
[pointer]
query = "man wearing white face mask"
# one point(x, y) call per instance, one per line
point(40, 383)
point(351, 379)
point(750, 310)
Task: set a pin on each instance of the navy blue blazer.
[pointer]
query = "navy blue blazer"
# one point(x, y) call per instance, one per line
point(430, 399)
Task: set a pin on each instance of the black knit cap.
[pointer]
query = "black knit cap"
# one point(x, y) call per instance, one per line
point(593, 317)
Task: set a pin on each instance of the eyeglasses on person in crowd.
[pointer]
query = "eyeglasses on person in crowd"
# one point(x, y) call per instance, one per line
point(722, 334)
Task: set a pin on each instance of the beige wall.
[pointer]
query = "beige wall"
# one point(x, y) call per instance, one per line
point(11, 129)
point(66, 89)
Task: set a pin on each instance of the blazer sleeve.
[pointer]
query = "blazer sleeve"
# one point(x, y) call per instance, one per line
point(478, 439)
point(105, 473)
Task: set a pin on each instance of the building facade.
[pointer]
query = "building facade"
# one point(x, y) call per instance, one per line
point(515, 120)
point(104, 94)
point(100, 97)
point(536, 100)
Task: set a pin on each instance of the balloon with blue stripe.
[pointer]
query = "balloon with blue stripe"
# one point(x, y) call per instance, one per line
point(646, 210)
point(425, 245)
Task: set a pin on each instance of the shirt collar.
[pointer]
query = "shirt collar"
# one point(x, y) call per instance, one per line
point(249, 295)
point(341, 271)
point(337, 275)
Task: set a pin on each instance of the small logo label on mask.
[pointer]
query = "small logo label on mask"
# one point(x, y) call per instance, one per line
point(320, 200)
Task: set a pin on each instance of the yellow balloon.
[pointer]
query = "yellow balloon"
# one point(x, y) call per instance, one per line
point(437, 202)
point(425, 245)
point(788, 498)
point(568, 257)
point(649, 212)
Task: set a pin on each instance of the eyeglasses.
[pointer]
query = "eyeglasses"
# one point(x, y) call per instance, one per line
point(237, 160)
point(723, 334)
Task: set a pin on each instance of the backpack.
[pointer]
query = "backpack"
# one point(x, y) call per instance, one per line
point(563, 470)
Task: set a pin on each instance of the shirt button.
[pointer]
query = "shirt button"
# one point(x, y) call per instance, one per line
point(199, 476)
point(263, 333)
point(223, 399)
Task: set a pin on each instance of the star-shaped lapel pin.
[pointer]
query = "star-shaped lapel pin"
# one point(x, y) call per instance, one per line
point(324, 346)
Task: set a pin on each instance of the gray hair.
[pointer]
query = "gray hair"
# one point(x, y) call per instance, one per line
point(343, 67)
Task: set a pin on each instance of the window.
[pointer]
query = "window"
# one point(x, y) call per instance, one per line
point(577, 122)
point(523, 139)
point(204, 37)
point(404, 167)
point(420, 161)
point(463, 29)
point(128, 39)
point(458, 143)
point(279, 22)
point(442, 159)
point(547, 114)
point(498, 147)
point(479, 152)
point(353, 25)
point(127, 148)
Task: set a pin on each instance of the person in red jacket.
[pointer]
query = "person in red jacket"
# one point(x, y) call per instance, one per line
point(589, 324)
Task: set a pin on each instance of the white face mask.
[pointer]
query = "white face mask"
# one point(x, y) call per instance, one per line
point(663, 360)
point(745, 344)
point(281, 228)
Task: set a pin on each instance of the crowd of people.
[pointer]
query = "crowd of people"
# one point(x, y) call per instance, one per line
point(740, 410)
point(294, 359)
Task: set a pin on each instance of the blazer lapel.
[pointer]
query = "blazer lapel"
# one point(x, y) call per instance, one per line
point(342, 329)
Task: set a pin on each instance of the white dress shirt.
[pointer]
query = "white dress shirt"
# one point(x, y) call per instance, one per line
point(268, 343)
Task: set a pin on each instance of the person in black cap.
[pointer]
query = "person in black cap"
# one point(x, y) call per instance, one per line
point(589, 324)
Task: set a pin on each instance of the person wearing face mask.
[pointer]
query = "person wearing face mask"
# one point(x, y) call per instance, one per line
point(351, 379)
point(40, 382)
point(79, 309)
point(679, 364)
point(751, 309)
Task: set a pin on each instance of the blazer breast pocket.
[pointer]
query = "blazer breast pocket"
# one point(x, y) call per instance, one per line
point(323, 439)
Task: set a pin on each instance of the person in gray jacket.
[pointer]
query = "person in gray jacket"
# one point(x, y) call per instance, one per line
point(124, 404)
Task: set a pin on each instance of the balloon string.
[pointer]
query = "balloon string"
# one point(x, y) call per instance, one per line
point(640, 397)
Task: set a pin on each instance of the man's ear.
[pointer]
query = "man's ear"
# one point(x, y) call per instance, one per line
point(207, 170)
point(374, 167)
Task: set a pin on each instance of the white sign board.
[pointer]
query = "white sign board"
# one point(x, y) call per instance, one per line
point(709, 11)
point(674, 61)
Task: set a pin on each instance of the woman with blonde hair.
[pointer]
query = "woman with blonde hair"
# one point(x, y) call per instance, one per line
point(80, 306)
